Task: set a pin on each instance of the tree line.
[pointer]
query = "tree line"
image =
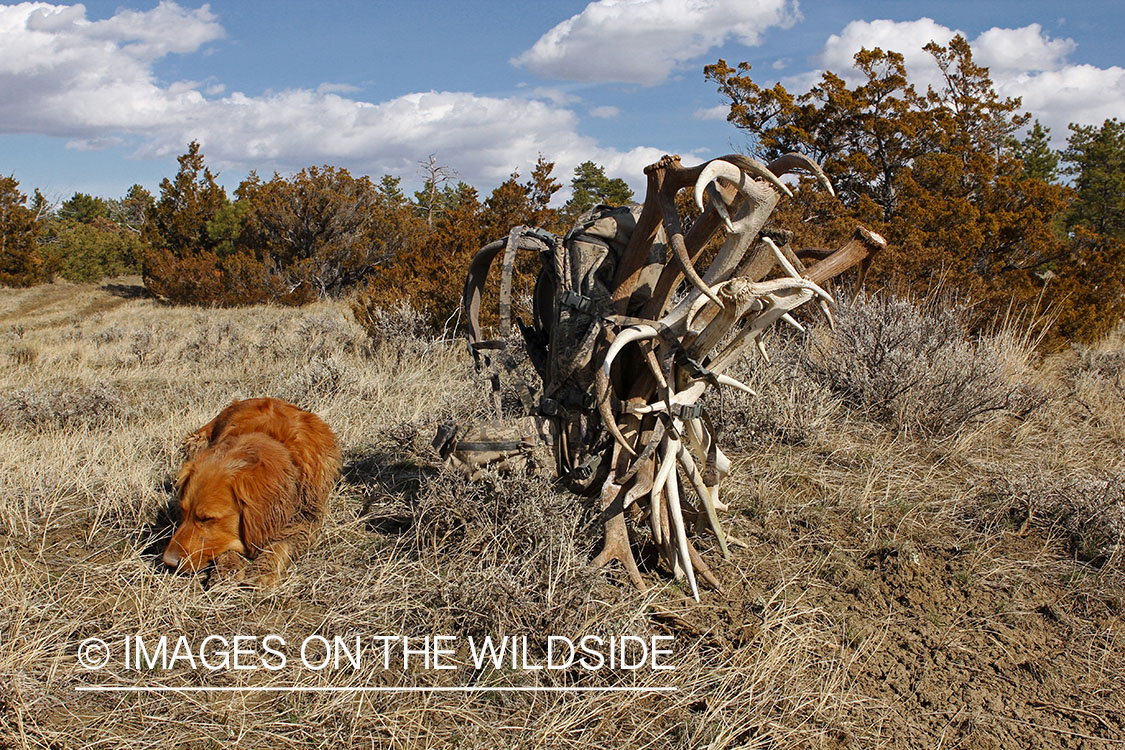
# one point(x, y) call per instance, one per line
point(319, 233)
point(967, 207)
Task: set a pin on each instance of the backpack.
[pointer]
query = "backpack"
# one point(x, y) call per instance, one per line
point(571, 305)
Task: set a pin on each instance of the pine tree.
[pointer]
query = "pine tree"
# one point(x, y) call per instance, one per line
point(541, 188)
point(1040, 161)
point(1095, 160)
point(178, 221)
point(591, 187)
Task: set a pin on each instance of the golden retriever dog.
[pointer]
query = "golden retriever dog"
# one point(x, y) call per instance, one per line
point(253, 490)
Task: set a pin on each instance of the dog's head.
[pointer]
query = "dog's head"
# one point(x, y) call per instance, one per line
point(233, 496)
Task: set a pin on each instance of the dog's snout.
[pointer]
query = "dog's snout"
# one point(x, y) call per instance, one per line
point(171, 558)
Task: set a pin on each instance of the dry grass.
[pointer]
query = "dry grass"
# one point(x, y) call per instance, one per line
point(876, 553)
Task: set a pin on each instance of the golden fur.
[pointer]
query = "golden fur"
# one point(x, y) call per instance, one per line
point(254, 486)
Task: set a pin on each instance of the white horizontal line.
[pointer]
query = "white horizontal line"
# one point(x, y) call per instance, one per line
point(364, 689)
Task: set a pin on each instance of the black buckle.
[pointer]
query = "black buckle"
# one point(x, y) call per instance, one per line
point(686, 411)
point(444, 440)
point(548, 238)
point(570, 298)
point(549, 406)
point(586, 469)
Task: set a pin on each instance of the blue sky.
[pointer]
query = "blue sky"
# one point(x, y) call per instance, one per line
point(98, 96)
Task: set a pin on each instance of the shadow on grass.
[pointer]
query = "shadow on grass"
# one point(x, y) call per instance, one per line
point(155, 535)
point(389, 486)
point(127, 291)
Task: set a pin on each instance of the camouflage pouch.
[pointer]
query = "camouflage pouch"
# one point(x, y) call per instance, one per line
point(509, 446)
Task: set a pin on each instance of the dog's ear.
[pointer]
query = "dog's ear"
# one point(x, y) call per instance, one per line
point(266, 496)
point(185, 474)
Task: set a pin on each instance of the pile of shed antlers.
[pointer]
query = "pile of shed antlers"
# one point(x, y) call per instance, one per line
point(653, 358)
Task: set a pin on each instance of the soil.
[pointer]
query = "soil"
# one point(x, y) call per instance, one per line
point(947, 644)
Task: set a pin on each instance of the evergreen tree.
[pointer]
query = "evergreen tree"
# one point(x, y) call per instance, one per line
point(83, 208)
point(20, 265)
point(178, 221)
point(541, 188)
point(1095, 160)
point(591, 187)
point(1040, 161)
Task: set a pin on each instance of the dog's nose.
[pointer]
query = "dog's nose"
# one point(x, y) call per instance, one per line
point(171, 559)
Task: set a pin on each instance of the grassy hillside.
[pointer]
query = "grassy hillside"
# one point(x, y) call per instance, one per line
point(931, 543)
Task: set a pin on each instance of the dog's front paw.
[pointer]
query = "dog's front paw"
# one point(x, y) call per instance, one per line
point(264, 581)
point(263, 573)
point(228, 566)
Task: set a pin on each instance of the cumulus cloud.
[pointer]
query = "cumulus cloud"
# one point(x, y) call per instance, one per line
point(92, 82)
point(1024, 62)
point(645, 41)
point(718, 112)
point(65, 75)
point(484, 138)
point(906, 37)
point(1024, 50)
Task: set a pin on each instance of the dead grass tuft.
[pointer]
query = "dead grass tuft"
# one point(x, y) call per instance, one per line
point(513, 552)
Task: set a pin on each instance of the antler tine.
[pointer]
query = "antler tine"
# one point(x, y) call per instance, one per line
point(616, 544)
point(791, 161)
point(601, 380)
point(780, 300)
point(672, 495)
point(675, 232)
point(667, 464)
point(759, 170)
point(793, 271)
point(692, 471)
point(717, 198)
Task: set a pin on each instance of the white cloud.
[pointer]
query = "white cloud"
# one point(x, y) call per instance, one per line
point(554, 95)
point(718, 112)
point(1023, 62)
point(337, 88)
point(95, 144)
point(605, 112)
point(483, 138)
point(906, 37)
point(1018, 51)
point(1082, 94)
point(645, 41)
point(92, 82)
point(62, 74)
